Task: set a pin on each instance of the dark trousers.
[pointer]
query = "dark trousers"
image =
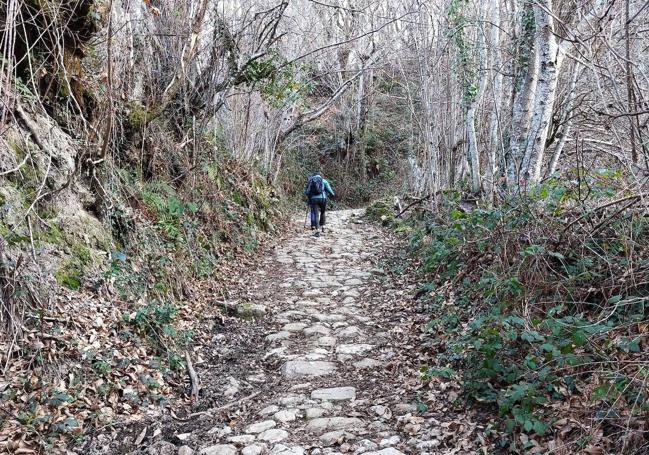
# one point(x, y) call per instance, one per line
point(318, 207)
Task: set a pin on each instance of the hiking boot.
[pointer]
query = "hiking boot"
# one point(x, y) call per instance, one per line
point(322, 229)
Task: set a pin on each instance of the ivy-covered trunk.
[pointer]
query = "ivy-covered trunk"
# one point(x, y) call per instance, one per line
point(527, 71)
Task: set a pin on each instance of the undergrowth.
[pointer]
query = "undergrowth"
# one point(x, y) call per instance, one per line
point(539, 309)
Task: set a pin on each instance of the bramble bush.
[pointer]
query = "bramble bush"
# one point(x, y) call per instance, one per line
point(540, 308)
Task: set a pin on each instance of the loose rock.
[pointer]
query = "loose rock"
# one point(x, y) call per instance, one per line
point(334, 394)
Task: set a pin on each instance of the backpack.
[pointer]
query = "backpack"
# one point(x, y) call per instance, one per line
point(315, 186)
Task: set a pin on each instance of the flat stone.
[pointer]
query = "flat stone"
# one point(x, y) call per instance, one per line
point(335, 437)
point(367, 363)
point(185, 450)
point(327, 405)
point(274, 435)
point(299, 368)
point(354, 349)
point(255, 449)
point(281, 449)
point(294, 327)
point(220, 431)
point(317, 329)
point(326, 341)
point(291, 314)
point(388, 451)
point(268, 410)
point(241, 439)
point(314, 356)
point(349, 332)
point(334, 394)
point(298, 387)
point(250, 310)
point(330, 317)
point(287, 415)
point(314, 413)
point(260, 427)
point(220, 449)
point(391, 441)
point(283, 335)
point(292, 400)
point(364, 446)
point(325, 424)
point(382, 411)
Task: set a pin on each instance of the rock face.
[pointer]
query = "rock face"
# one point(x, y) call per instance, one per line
point(298, 368)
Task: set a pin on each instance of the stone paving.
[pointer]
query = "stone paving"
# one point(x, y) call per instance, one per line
point(319, 355)
point(326, 342)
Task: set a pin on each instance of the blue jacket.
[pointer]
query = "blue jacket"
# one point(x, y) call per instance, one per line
point(327, 190)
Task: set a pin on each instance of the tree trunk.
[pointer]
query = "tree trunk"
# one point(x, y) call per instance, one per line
point(473, 154)
point(551, 57)
point(495, 142)
point(567, 121)
point(522, 111)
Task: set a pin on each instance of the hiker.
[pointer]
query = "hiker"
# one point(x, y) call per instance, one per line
point(316, 191)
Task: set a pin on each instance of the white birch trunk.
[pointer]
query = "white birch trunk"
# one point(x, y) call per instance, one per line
point(521, 117)
point(567, 120)
point(495, 142)
point(551, 57)
point(473, 157)
point(473, 154)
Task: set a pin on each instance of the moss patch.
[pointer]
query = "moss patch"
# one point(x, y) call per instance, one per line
point(138, 115)
point(70, 274)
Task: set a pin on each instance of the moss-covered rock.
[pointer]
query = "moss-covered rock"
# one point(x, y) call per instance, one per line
point(381, 211)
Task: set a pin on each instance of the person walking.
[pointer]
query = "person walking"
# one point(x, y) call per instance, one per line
point(316, 191)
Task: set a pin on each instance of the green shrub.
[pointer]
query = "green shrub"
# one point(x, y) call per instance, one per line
point(535, 307)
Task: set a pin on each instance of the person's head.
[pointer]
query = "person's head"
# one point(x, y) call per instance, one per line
point(317, 173)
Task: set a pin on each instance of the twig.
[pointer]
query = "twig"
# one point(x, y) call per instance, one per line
point(30, 127)
point(17, 168)
point(212, 412)
point(603, 206)
point(418, 201)
point(31, 236)
point(193, 376)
